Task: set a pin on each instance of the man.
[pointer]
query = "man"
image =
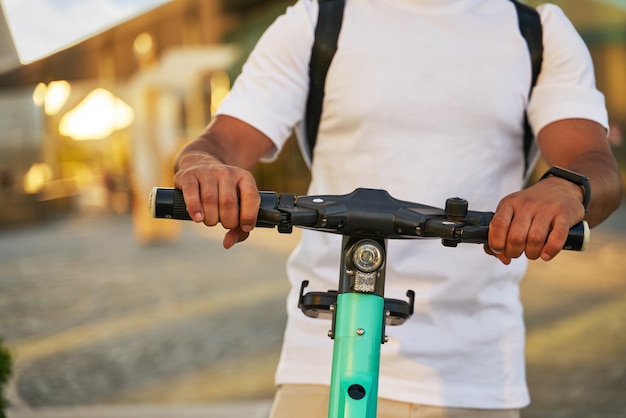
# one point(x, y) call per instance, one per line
point(426, 99)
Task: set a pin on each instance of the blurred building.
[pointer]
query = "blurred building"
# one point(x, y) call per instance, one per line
point(100, 121)
point(602, 24)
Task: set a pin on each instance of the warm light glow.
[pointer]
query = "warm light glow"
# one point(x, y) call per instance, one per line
point(56, 96)
point(143, 43)
point(39, 94)
point(52, 96)
point(220, 86)
point(97, 116)
point(36, 176)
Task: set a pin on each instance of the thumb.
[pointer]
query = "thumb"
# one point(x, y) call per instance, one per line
point(233, 236)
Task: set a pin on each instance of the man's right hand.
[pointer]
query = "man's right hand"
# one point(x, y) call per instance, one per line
point(218, 193)
point(213, 173)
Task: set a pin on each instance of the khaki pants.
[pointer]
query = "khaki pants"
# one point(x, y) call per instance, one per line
point(311, 401)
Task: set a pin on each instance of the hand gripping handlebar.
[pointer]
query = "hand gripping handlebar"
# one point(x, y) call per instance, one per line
point(365, 212)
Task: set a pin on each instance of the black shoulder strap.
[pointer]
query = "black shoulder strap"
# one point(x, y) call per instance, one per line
point(532, 31)
point(327, 31)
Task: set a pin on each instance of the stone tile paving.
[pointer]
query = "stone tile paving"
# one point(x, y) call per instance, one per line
point(576, 318)
point(90, 314)
point(95, 318)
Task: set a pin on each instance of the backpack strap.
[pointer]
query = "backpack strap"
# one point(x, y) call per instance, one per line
point(530, 27)
point(329, 21)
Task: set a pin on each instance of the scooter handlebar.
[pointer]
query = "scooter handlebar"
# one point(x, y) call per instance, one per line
point(364, 212)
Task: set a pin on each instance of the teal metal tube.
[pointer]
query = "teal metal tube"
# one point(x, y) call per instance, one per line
point(356, 355)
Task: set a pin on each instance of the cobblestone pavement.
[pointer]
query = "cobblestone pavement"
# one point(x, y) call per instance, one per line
point(93, 318)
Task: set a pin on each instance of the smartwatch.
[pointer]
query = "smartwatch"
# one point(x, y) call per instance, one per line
point(582, 181)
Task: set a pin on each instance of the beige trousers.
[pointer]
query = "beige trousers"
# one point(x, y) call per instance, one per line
point(311, 401)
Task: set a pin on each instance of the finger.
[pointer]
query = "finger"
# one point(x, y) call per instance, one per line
point(228, 203)
point(518, 236)
point(233, 236)
point(193, 200)
point(499, 229)
point(249, 203)
point(536, 237)
point(505, 259)
point(556, 239)
point(501, 256)
point(209, 201)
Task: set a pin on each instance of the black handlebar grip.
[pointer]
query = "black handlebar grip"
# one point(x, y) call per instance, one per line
point(168, 203)
point(578, 237)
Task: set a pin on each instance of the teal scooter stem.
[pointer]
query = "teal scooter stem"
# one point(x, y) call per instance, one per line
point(356, 356)
point(358, 330)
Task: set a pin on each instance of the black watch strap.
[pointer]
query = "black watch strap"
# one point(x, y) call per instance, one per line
point(582, 181)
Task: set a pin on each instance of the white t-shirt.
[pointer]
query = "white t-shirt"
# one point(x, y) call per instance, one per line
point(426, 99)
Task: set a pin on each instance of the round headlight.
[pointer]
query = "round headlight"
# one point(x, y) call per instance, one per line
point(367, 257)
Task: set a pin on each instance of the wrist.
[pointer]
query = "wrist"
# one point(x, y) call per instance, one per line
point(191, 158)
point(574, 178)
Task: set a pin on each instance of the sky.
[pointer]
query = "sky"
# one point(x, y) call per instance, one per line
point(40, 27)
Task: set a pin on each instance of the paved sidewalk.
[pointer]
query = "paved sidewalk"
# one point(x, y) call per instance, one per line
point(103, 327)
point(244, 409)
